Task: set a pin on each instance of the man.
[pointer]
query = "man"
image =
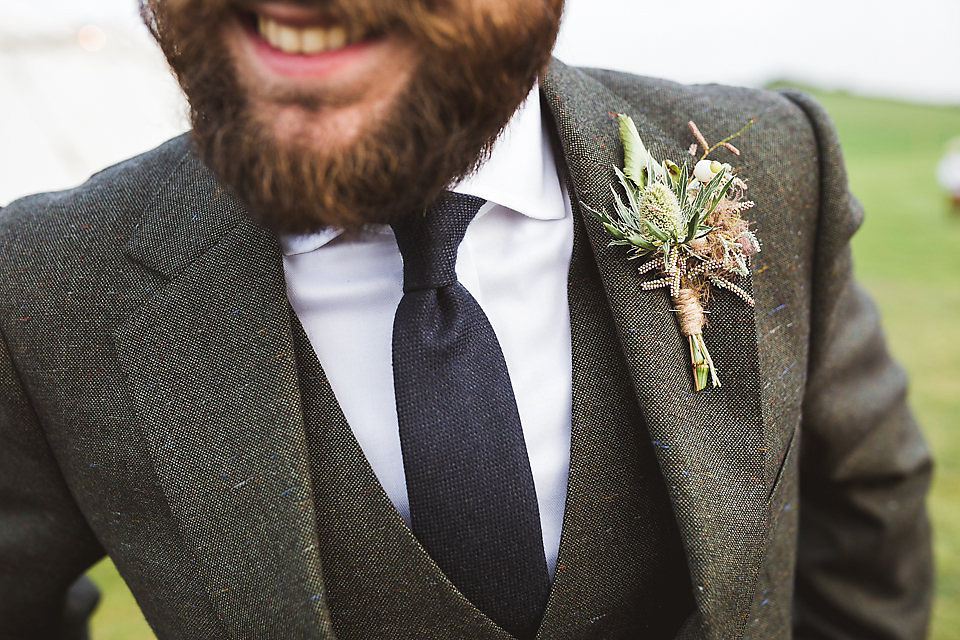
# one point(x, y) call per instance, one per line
point(348, 363)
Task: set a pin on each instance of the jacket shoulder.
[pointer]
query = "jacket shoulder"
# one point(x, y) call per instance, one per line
point(664, 101)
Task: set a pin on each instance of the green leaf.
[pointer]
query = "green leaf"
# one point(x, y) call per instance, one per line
point(613, 231)
point(618, 201)
point(635, 155)
point(723, 192)
point(656, 231)
point(706, 191)
point(692, 226)
point(700, 203)
point(639, 241)
point(603, 217)
point(681, 188)
point(599, 215)
point(636, 159)
point(630, 189)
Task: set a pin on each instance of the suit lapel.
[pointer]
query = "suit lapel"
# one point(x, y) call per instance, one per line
point(213, 380)
point(709, 444)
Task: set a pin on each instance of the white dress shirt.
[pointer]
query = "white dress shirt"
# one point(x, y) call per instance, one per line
point(514, 259)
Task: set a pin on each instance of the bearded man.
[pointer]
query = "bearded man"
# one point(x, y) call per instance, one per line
point(351, 361)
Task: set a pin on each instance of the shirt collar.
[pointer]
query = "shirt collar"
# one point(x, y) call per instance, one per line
point(520, 174)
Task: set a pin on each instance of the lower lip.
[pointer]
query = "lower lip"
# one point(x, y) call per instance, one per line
point(314, 65)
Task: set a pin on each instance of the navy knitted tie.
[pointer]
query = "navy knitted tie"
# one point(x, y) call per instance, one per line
point(473, 505)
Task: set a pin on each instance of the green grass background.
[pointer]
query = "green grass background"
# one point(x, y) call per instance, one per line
point(908, 256)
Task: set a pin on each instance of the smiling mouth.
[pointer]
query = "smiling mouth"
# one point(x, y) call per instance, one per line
point(308, 40)
point(296, 31)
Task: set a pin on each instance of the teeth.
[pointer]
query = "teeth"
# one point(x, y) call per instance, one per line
point(305, 40)
point(289, 40)
point(336, 38)
point(314, 40)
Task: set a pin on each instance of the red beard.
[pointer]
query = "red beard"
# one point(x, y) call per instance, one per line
point(473, 73)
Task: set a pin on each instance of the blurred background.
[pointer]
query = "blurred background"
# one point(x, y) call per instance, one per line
point(82, 86)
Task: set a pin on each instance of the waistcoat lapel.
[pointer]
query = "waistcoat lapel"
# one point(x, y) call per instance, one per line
point(212, 378)
point(381, 583)
point(709, 444)
point(621, 572)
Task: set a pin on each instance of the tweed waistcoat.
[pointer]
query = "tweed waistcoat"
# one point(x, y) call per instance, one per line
point(621, 571)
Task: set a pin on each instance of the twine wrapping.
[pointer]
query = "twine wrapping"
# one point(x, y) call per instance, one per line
point(690, 312)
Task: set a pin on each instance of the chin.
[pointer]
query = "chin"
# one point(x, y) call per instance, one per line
point(321, 130)
point(325, 121)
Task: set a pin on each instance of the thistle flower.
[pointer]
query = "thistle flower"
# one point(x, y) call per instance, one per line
point(660, 204)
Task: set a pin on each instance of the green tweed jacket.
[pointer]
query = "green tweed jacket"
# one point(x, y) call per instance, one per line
point(149, 402)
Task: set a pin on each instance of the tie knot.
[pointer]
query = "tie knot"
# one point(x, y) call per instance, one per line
point(429, 241)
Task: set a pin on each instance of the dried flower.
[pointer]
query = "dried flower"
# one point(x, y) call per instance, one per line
point(749, 243)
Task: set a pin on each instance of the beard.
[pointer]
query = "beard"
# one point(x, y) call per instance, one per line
point(475, 67)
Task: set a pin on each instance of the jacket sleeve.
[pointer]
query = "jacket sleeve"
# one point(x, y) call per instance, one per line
point(45, 543)
point(864, 565)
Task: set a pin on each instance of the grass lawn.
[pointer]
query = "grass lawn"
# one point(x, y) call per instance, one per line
point(908, 256)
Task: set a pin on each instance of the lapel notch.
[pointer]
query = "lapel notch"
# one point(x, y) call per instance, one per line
point(189, 214)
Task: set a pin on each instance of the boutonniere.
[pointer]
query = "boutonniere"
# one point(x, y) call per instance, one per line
point(687, 224)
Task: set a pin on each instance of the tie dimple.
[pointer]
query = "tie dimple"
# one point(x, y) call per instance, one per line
point(429, 241)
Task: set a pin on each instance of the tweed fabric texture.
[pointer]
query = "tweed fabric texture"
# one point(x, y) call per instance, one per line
point(151, 410)
point(621, 571)
point(380, 581)
point(708, 443)
point(473, 504)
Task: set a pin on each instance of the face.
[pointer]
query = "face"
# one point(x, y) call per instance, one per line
point(348, 112)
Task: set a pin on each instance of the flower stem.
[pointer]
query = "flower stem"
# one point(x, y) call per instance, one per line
point(725, 141)
point(703, 368)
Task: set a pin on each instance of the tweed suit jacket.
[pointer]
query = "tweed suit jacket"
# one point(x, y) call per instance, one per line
point(149, 403)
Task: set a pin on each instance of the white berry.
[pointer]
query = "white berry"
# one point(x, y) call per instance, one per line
point(706, 170)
